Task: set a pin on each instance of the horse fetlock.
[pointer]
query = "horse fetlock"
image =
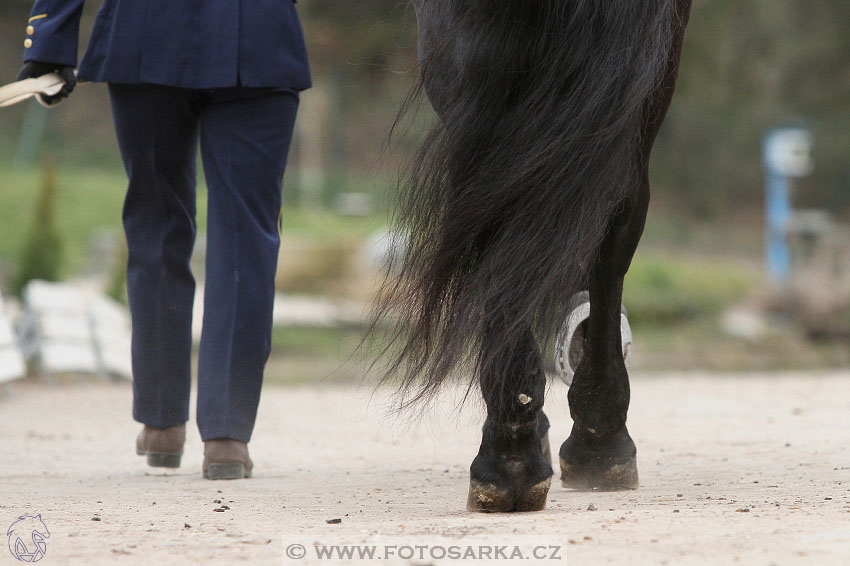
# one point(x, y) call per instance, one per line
point(599, 412)
point(598, 431)
point(607, 463)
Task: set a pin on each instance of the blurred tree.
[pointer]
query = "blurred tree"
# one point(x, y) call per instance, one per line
point(748, 65)
point(41, 257)
point(366, 34)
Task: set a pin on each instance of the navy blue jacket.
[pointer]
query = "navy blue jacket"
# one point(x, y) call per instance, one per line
point(184, 43)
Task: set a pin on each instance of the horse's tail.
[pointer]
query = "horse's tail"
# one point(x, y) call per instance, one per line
point(510, 197)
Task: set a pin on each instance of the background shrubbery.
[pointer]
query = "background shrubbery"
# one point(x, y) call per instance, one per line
point(661, 290)
point(747, 66)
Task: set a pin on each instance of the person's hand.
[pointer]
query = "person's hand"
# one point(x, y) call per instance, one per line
point(33, 69)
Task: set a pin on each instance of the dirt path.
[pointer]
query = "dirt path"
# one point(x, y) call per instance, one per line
point(709, 446)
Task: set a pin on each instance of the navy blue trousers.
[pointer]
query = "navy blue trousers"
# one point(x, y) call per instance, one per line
point(244, 136)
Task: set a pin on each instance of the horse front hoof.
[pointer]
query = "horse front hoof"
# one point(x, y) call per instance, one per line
point(488, 498)
point(611, 466)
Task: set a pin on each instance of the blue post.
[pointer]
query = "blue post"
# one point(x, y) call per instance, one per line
point(778, 255)
point(786, 154)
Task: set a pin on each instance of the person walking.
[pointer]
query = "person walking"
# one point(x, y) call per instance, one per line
point(225, 75)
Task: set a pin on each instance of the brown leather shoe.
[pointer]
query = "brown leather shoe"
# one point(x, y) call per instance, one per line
point(226, 459)
point(162, 446)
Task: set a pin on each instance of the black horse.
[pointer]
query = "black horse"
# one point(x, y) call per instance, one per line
point(532, 185)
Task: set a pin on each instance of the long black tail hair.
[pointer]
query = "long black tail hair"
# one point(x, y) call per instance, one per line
point(538, 145)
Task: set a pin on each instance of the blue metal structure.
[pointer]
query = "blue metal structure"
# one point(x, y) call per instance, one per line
point(786, 154)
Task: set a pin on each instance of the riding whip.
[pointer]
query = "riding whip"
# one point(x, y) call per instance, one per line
point(45, 85)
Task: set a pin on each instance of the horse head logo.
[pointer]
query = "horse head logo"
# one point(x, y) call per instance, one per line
point(28, 538)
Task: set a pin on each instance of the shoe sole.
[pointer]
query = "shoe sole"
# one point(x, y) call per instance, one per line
point(227, 471)
point(161, 459)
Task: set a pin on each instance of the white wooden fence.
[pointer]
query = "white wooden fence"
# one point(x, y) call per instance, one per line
point(11, 360)
point(67, 328)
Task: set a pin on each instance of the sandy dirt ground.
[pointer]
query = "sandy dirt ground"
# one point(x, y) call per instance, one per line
point(748, 469)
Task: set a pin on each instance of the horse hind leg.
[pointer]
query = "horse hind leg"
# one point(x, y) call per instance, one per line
point(513, 470)
point(599, 453)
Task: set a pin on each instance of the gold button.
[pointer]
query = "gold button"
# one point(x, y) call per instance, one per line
point(27, 43)
point(30, 30)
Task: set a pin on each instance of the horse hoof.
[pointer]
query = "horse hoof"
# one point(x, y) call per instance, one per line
point(488, 498)
point(609, 467)
point(513, 468)
point(619, 477)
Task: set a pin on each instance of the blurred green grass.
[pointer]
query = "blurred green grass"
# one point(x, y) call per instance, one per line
point(315, 341)
point(89, 201)
point(662, 289)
